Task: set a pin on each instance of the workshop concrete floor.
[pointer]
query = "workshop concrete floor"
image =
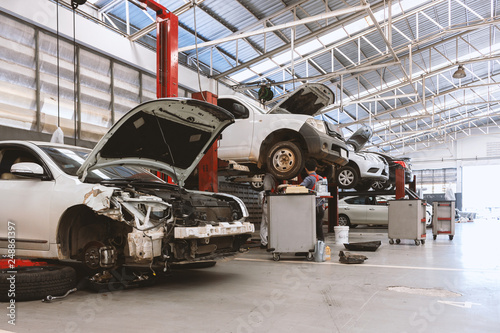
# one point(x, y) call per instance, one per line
point(445, 286)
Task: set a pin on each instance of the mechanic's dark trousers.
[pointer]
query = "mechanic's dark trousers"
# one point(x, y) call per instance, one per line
point(320, 213)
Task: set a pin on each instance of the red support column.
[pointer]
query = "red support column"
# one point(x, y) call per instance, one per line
point(413, 184)
point(167, 56)
point(400, 183)
point(333, 207)
point(208, 166)
point(167, 50)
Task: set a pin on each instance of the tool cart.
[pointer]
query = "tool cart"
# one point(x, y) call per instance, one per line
point(407, 220)
point(443, 218)
point(292, 224)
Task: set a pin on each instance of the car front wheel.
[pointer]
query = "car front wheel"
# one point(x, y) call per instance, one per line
point(285, 160)
point(347, 177)
point(344, 221)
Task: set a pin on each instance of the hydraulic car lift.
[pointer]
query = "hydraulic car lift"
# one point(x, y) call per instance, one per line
point(167, 77)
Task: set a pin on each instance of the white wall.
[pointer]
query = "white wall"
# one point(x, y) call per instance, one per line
point(43, 14)
point(473, 150)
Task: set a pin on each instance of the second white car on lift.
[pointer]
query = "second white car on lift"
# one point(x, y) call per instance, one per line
point(363, 168)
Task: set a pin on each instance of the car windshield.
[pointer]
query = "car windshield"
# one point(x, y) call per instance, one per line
point(69, 160)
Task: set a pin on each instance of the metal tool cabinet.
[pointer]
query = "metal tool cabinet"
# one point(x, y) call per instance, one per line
point(407, 220)
point(443, 218)
point(292, 224)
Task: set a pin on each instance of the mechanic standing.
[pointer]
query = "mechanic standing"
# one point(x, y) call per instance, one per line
point(270, 185)
point(310, 182)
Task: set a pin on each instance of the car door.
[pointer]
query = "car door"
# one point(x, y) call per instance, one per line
point(377, 211)
point(236, 140)
point(355, 210)
point(25, 202)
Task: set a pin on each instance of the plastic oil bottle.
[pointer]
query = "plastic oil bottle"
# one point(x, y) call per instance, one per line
point(328, 255)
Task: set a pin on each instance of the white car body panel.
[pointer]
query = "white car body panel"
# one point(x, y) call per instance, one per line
point(58, 194)
point(241, 141)
point(366, 161)
point(365, 213)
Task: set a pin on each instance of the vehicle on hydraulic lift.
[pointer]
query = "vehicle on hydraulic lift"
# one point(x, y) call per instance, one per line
point(394, 162)
point(105, 209)
point(280, 140)
point(363, 168)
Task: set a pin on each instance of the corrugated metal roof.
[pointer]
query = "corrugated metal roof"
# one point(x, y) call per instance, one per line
point(434, 54)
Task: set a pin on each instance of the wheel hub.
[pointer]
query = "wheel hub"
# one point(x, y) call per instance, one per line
point(97, 255)
point(346, 177)
point(284, 159)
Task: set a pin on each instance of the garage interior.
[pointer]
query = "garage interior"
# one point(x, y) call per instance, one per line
point(420, 73)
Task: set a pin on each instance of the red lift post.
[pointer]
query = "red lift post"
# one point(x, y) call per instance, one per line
point(167, 54)
point(208, 166)
point(167, 77)
point(333, 207)
point(400, 183)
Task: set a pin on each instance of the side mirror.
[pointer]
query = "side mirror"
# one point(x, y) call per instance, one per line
point(239, 110)
point(27, 169)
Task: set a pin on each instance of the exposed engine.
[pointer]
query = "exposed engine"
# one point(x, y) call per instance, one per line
point(176, 225)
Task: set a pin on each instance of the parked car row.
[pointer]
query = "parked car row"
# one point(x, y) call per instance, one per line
point(369, 210)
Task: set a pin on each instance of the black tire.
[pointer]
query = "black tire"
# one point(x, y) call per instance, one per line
point(285, 160)
point(37, 282)
point(344, 220)
point(434, 236)
point(347, 177)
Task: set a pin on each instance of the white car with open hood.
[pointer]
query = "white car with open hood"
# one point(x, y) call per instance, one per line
point(280, 140)
point(104, 208)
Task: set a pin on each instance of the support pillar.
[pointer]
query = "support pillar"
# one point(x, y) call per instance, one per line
point(400, 183)
point(167, 56)
point(333, 207)
point(208, 166)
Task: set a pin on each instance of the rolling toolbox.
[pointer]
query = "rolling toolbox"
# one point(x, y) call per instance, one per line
point(443, 219)
point(292, 224)
point(407, 220)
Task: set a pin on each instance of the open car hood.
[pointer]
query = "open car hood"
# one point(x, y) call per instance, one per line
point(359, 138)
point(308, 99)
point(170, 135)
